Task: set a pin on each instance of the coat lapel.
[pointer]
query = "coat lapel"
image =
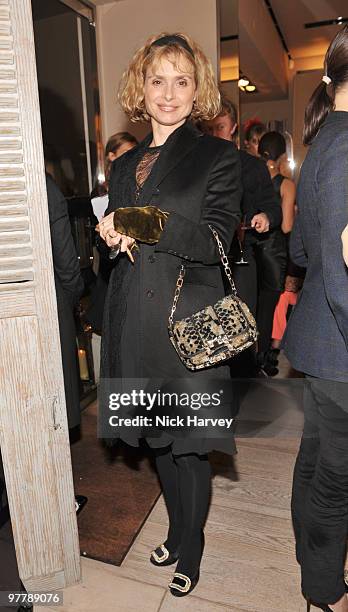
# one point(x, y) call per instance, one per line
point(178, 145)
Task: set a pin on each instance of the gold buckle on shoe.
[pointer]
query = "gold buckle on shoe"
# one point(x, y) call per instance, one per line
point(165, 555)
point(186, 579)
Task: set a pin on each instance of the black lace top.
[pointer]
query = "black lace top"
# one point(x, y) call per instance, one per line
point(144, 168)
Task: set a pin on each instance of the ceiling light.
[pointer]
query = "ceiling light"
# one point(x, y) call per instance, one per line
point(292, 163)
point(250, 88)
point(243, 82)
point(327, 22)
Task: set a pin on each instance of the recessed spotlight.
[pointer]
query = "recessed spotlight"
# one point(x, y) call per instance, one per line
point(250, 88)
point(243, 82)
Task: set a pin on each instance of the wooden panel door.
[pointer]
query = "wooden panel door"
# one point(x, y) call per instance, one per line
point(33, 425)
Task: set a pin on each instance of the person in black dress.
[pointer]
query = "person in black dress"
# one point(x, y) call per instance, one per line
point(272, 148)
point(195, 180)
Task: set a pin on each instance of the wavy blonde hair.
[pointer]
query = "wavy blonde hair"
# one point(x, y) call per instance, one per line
point(207, 103)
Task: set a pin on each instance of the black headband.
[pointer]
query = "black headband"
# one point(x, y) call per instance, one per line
point(173, 39)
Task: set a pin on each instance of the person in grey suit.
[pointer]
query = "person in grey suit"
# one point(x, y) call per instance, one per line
point(316, 339)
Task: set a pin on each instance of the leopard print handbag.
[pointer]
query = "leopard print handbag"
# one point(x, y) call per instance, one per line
point(215, 333)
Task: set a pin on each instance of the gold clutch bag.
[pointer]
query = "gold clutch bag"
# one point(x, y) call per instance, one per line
point(215, 333)
point(144, 223)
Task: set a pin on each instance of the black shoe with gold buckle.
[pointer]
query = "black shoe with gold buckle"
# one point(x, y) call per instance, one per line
point(162, 556)
point(182, 585)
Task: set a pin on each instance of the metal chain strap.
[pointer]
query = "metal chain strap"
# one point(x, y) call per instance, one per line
point(179, 284)
point(180, 280)
point(224, 260)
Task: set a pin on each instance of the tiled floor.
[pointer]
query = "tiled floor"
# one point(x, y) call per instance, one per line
point(249, 562)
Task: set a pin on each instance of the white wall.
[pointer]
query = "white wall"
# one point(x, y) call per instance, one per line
point(272, 110)
point(262, 57)
point(303, 87)
point(123, 27)
point(291, 110)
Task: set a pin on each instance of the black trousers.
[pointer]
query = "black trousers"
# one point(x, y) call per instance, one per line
point(320, 491)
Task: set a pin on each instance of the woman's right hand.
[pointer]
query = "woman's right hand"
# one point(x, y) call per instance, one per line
point(114, 238)
point(111, 236)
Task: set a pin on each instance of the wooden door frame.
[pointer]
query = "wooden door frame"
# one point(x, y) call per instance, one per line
point(34, 435)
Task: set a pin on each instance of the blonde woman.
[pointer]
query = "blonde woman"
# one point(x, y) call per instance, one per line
point(195, 180)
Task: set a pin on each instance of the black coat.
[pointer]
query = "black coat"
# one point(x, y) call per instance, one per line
point(197, 180)
point(258, 190)
point(265, 253)
point(69, 287)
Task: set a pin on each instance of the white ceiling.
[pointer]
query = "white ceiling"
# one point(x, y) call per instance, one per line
point(100, 2)
point(293, 15)
point(302, 43)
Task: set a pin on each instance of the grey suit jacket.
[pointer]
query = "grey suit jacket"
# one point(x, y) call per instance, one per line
point(316, 339)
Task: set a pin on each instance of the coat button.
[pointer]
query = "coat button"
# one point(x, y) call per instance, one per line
point(150, 293)
point(152, 259)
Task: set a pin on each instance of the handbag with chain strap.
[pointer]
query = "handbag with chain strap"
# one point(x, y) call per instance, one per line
point(215, 333)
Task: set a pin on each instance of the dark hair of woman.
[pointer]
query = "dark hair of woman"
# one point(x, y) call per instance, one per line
point(254, 129)
point(272, 145)
point(336, 75)
point(112, 146)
